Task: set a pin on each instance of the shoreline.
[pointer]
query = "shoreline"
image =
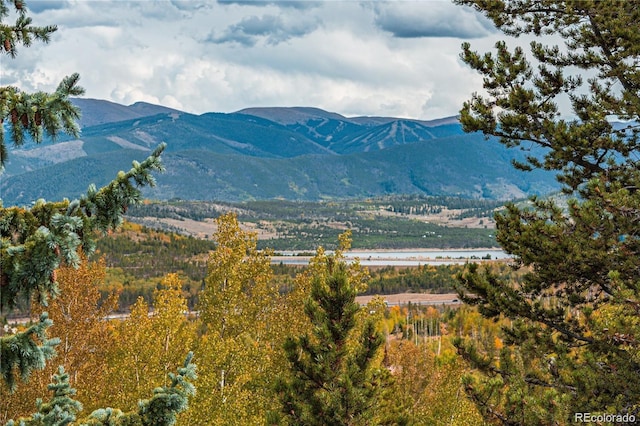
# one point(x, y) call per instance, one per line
point(425, 250)
point(381, 257)
point(406, 254)
point(399, 299)
point(399, 250)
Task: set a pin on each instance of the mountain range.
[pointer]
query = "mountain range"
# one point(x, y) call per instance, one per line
point(295, 153)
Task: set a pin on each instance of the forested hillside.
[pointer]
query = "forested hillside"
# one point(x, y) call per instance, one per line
point(287, 153)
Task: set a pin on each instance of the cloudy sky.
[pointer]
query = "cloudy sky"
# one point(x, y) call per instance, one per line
point(389, 58)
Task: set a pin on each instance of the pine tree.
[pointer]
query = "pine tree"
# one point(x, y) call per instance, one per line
point(35, 241)
point(573, 335)
point(334, 379)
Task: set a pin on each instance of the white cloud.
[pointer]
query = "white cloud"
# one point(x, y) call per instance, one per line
point(342, 56)
point(422, 19)
point(271, 29)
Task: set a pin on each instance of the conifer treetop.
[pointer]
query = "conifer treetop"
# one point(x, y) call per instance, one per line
point(333, 378)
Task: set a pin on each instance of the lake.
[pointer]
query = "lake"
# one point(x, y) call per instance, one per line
point(402, 257)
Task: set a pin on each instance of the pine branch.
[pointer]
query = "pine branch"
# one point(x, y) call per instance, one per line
point(26, 351)
point(105, 207)
point(160, 410)
point(35, 242)
point(38, 114)
point(21, 32)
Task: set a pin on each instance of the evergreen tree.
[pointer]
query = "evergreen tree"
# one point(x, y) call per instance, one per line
point(573, 339)
point(36, 241)
point(334, 379)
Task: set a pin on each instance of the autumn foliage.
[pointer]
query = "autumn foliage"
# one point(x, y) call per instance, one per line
point(239, 337)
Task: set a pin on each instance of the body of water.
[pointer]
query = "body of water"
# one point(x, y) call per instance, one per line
point(404, 258)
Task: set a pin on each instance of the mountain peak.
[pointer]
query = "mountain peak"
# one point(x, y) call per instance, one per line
point(146, 109)
point(291, 115)
point(98, 111)
point(300, 153)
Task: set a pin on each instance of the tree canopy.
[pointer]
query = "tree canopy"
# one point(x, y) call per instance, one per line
point(571, 345)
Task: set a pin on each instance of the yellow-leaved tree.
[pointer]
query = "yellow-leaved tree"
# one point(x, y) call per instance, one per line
point(149, 345)
point(428, 386)
point(239, 311)
point(79, 322)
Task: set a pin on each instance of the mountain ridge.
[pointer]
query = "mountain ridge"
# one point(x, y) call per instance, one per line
point(297, 153)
